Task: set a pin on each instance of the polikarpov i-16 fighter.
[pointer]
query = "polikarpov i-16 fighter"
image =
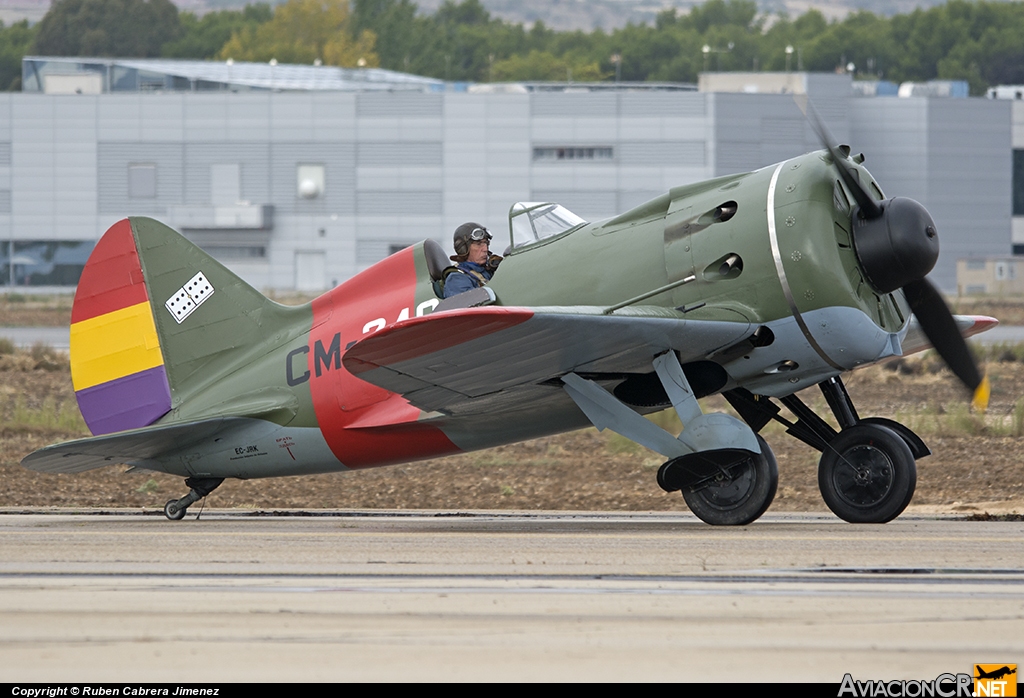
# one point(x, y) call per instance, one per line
point(753, 285)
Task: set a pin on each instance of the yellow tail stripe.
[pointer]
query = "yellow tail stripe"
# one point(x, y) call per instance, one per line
point(114, 345)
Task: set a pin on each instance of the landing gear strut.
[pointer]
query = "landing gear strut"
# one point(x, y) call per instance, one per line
point(175, 509)
point(867, 471)
point(726, 472)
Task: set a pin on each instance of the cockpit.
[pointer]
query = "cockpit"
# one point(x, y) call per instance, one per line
point(530, 222)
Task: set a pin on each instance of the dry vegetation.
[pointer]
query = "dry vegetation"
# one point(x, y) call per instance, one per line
point(977, 463)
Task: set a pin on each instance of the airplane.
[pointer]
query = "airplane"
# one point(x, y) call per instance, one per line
point(995, 674)
point(754, 286)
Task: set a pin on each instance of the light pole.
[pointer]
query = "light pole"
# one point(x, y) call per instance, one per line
point(617, 60)
point(706, 50)
point(789, 57)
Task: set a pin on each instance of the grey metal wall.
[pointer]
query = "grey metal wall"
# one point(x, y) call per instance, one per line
point(756, 130)
point(401, 167)
point(952, 155)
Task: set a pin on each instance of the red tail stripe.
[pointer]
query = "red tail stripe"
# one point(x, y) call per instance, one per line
point(112, 278)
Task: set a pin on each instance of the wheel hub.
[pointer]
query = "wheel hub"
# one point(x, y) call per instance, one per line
point(867, 476)
point(729, 488)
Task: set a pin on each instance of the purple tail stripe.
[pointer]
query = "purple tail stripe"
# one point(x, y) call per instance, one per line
point(126, 403)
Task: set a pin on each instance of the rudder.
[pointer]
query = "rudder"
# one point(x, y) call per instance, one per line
point(154, 318)
point(117, 366)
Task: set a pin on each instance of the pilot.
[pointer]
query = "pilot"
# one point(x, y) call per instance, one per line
point(476, 264)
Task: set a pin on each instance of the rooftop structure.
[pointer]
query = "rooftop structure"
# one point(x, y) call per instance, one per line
point(792, 83)
point(1006, 92)
point(64, 75)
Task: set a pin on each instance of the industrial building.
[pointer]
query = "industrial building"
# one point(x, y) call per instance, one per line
point(300, 179)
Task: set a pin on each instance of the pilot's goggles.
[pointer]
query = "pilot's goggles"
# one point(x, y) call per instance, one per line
point(479, 234)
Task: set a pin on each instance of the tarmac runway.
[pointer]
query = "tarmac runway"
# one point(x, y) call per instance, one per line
point(119, 596)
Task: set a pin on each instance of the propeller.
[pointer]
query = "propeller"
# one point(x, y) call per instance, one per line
point(897, 245)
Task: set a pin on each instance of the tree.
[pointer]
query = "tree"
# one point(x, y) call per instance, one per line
point(15, 42)
point(205, 37)
point(137, 28)
point(541, 65)
point(395, 25)
point(303, 31)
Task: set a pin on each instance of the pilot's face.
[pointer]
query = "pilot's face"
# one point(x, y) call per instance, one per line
point(478, 251)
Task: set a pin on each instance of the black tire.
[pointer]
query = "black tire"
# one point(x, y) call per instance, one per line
point(867, 474)
point(176, 515)
point(740, 499)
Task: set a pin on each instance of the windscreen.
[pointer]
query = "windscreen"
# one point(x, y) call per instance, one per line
point(531, 221)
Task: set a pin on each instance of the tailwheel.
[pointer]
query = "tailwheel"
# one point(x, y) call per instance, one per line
point(741, 495)
point(173, 512)
point(200, 487)
point(867, 474)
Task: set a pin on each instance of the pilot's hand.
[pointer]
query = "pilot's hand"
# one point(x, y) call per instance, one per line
point(492, 262)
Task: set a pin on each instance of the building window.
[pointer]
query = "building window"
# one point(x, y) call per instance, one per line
point(1004, 271)
point(142, 181)
point(1018, 182)
point(43, 262)
point(976, 264)
point(310, 180)
point(573, 153)
point(225, 184)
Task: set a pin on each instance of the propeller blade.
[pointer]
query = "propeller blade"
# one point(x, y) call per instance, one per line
point(869, 208)
point(940, 328)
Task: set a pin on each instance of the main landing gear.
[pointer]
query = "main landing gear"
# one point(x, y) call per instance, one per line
point(175, 509)
point(738, 495)
point(726, 472)
point(867, 472)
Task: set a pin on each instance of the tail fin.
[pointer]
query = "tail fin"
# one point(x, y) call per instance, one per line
point(154, 319)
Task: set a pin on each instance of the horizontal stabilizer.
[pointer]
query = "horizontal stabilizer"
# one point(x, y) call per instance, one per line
point(135, 447)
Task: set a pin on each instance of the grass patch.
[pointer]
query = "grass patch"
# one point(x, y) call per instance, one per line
point(959, 420)
point(150, 486)
point(50, 416)
point(1002, 352)
point(40, 357)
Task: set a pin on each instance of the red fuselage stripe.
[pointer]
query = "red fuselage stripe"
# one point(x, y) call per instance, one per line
point(339, 398)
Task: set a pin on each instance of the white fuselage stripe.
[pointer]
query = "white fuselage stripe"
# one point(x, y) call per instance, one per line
point(773, 238)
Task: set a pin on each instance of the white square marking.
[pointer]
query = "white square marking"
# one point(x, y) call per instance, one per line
point(189, 297)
